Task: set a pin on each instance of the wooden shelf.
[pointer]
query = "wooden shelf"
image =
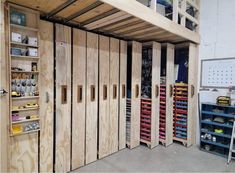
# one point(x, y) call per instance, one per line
point(23, 133)
point(33, 72)
point(24, 27)
point(26, 109)
point(24, 98)
point(23, 44)
point(27, 58)
point(25, 121)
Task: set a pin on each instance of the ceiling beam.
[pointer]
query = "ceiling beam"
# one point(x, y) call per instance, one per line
point(60, 8)
point(83, 11)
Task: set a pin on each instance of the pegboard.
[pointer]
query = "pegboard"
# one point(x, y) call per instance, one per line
point(218, 73)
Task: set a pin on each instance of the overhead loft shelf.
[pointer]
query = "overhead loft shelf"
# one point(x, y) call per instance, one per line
point(129, 20)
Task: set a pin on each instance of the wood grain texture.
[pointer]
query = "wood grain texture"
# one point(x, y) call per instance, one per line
point(63, 110)
point(135, 100)
point(170, 56)
point(104, 115)
point(79, 107)
point(4, 83)
point(92, 105)
point(122, 100)
point(192, 100)
point(47, 92)
point(24, 153)
point(114, 92)
point(156, 66)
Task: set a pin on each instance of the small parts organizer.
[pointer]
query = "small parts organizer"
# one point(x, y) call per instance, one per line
point(128, 120)
point(162, 118)
point(24, 63)
point(145, 120)
point(180, 111)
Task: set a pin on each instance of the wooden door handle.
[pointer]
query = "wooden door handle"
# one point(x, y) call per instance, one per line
point(192, 91)
point(64, 94)
point(92, 89)
point(136, 91)
point(47, 97)
point(123, 90)
point(156, 91)
point(79, 94)
point(171, 90)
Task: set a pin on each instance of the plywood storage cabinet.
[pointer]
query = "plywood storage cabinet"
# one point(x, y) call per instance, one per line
point(85, 79)
point(150, 98)
point(134, 56)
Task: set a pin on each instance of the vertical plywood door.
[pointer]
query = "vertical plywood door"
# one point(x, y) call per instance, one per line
point(79, 98)
point(192, 97)
point(104, 115)
point(23, 153)
point(156, 66)
point(114, 92)
point(122, 95)
point(91, 97)
point(63, 98)
point(4, 99)
point(136, 93)
point(170, 55)
point(47, 96)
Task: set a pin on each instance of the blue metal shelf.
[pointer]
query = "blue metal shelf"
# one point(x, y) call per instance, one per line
point(216, 134)
point(214, 104)
point(216, 124)
point(218, 114)
point(215, 143)
point(215, 153)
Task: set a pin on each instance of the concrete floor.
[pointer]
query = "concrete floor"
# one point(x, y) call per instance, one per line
point(174, 158)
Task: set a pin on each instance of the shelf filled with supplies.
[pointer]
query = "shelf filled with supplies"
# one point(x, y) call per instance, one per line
point(128, 120)
point(145, 120)
point(216, 128)
point(25, 74)
point(180, 111)
point(162, 118)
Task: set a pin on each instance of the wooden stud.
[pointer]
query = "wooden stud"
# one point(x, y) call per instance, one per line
point(114, 92)
point(104, 97)
point(79, 98)
point(91, 105)
point(63, 104)
point(46, 96)
point(122, 95)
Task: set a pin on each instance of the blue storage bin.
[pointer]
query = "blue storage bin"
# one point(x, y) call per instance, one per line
point(17, 18)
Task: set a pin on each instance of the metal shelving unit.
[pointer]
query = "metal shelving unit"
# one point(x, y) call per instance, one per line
point(216, 128)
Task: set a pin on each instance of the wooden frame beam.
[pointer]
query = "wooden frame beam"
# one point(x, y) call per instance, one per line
point(134, 8)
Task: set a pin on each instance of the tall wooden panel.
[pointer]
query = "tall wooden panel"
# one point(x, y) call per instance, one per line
point(79, 98)
point(47, 96)
point(24, 153)
point(170, 53)
point(192, 97)
point(104, 115)
point(4, 100)
point(63, 98)
point(156, 66)
point(122, 95)
point(135, 94)
point(92, 97)
point(114, 92)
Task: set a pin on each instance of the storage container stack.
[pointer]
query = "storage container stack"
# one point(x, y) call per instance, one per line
point(162, 124)
point(180, 110)
point(128, 119)
point(145, 119)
